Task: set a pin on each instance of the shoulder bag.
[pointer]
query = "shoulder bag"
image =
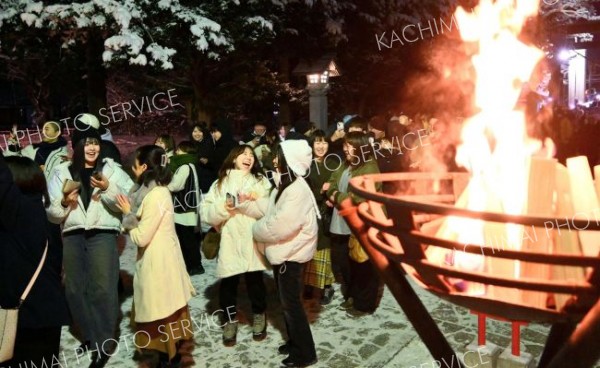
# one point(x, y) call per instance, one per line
point(9, 317)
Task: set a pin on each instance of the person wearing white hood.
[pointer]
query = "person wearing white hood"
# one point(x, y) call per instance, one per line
point(288, 229)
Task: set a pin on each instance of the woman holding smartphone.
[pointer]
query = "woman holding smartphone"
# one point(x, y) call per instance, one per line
point(238, 254)
point(91, 222)
point(289, 233)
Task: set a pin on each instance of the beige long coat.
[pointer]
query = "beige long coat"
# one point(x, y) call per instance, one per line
point(161, 284)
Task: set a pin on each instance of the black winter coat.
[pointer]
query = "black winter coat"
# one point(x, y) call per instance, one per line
point(23, 234)
point(207, 174)
point(222, 148)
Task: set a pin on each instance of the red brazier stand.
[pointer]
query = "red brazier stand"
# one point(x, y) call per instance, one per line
point(388, 228)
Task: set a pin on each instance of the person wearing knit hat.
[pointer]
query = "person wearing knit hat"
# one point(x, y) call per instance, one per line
point(83, 121)
point(88, 126)
point(83, 197)
point(82, 135)
point(289, 231)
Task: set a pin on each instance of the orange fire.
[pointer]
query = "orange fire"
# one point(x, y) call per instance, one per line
point(495, 146)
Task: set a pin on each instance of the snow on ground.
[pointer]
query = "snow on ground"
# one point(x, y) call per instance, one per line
point(384, 339)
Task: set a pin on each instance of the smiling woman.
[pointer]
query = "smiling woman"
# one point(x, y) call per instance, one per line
point(238, 252)
point(90, 221)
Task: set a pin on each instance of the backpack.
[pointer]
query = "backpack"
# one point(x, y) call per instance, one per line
point(188, 199)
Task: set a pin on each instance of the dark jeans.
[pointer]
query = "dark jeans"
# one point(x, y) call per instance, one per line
point(365, 286)
point(36, 347)
point(288, 277)
point(339, 260)
point(190, 245)
point(255, 285)
point(91, 266)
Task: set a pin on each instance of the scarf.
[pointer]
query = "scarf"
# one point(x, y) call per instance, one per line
point(179, 160)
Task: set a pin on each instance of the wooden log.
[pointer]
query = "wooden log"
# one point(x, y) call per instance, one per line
point(564, 242)
point(540, 192)
point(585, 203)
point(459, 183)
point(496, 237)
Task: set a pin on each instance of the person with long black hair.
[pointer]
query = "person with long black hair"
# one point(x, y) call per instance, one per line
point(288, 229)
point(161, 286)
point(83, 197)
point(23, 239)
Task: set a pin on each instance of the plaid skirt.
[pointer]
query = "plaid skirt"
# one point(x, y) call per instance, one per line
point(318, 272)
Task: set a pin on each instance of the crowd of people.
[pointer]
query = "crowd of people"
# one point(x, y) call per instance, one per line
point(270, 199)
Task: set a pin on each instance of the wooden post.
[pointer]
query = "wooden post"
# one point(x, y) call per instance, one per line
point(585, 202)
point(540, 192)
point(564, 242)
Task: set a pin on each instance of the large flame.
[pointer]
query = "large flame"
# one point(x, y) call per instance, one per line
point(495, 146)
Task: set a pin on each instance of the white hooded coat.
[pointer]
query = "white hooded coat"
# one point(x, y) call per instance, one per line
point(289, 227)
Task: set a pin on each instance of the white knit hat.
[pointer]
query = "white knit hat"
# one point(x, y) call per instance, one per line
point(89, 119)
point(298, 155)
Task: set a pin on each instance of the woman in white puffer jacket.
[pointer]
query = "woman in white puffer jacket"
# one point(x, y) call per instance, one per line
point(91, 222)
point(240, 175)
point(288, 228)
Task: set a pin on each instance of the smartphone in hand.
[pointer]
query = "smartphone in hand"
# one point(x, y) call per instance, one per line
point(231, 200)
point(97, 175)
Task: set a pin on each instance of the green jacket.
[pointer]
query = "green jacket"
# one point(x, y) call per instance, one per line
point(369, 167)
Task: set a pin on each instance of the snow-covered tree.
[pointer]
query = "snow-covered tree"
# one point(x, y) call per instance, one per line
point(116, 32)
point(192, 42)
point(138, 31)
